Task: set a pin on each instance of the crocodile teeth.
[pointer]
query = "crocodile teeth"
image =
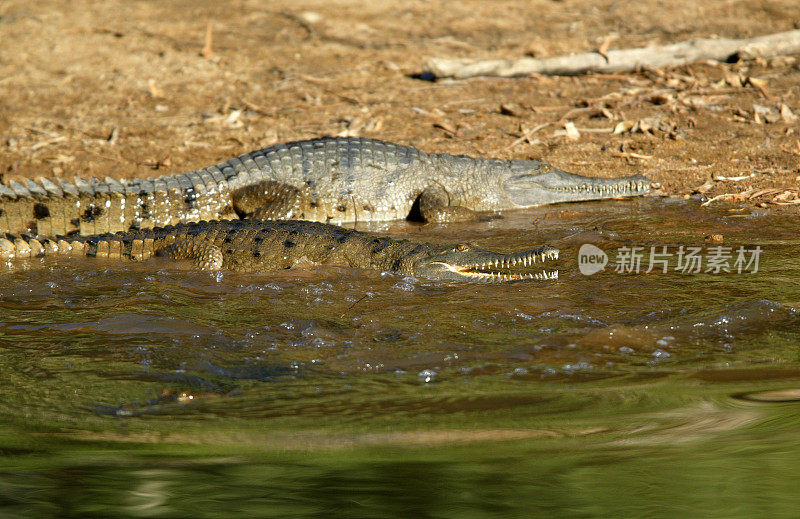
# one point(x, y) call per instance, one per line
point(544, 275)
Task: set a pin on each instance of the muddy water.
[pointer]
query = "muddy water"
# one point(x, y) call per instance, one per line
point(150, 390)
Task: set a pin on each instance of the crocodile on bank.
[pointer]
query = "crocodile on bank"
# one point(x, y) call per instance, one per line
point(333, 180)
point(255, 246)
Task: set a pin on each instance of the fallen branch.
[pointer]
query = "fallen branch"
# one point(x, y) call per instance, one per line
point(720, 197)
point(720, 49)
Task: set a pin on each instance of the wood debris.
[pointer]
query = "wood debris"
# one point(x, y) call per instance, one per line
point(774, 196)
point(720, 178)
point(720, 49)
point(631, 155)
point(207, 51)
point(603, 49)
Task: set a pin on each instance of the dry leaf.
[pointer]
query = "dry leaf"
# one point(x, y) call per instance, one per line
point(511, 109)
point(760, 84)
point(447, 127)
point(705, 188)
point(787, 115)
point(607, 113)
point(623, 126)
point(572, 132)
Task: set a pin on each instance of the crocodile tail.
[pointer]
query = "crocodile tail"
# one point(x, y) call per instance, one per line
point(24, 247)
point(50, 207)
point(111, 246)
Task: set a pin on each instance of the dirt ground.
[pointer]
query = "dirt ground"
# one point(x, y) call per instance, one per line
point(133, 88)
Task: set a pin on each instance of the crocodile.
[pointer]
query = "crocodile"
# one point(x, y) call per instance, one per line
point(332, 180)
point(257, 246)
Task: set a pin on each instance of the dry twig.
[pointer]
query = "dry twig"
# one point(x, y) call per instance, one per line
point(207, 51)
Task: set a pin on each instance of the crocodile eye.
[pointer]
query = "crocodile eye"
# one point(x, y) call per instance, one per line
point(461, 247)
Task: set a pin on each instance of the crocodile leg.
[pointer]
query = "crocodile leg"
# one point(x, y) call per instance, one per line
point(204, 255)
point(268, 200)
point(434, 206)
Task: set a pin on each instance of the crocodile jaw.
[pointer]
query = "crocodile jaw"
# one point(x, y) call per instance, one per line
point(467, 263)
point(554, 186)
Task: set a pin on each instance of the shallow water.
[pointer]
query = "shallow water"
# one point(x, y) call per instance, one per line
point(147, 389)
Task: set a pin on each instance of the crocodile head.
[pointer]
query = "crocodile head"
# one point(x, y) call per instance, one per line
point(465, 262)
point(531, 183)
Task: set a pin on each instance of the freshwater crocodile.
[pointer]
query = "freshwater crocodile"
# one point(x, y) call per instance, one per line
point(256, 246)
point(333, 180)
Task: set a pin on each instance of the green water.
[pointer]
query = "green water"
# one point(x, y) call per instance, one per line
point(148, 390)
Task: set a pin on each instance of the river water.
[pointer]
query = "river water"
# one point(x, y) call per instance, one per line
point(151, 390)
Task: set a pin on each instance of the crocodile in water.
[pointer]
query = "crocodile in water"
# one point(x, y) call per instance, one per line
point(255, 246)
point(333, 180)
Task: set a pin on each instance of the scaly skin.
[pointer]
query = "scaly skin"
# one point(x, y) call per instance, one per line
point(255, 246)
point(332, 180)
